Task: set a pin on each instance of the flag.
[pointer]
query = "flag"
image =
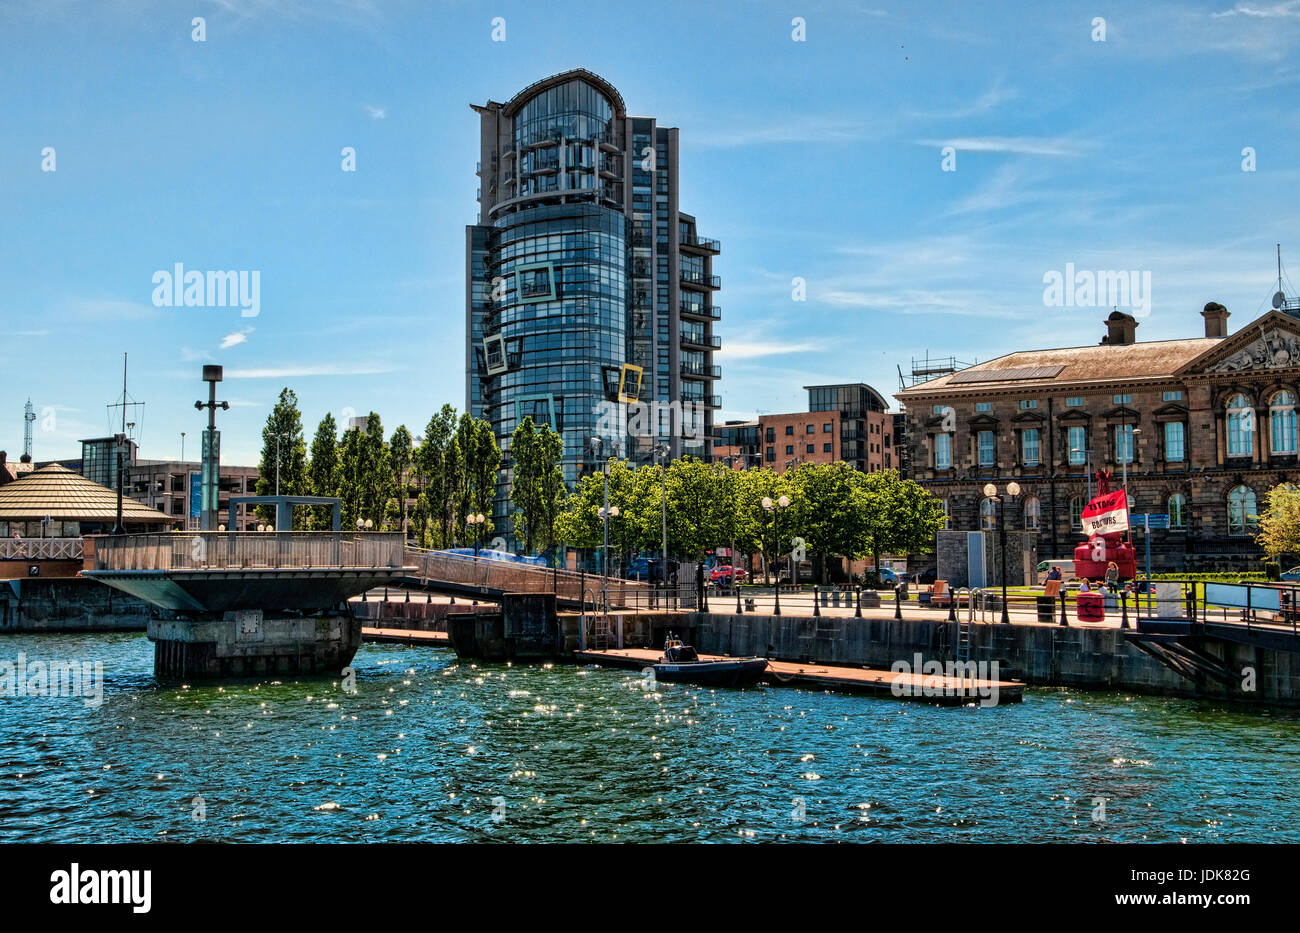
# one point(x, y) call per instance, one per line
point(1106, 514)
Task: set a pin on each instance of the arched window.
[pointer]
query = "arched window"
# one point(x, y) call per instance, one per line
point(1241, 426)
point(1281, 413)
point(1177, 510)
point(1076, 512)
point(1242, 517)
point(1033, 513)
point(988, 515)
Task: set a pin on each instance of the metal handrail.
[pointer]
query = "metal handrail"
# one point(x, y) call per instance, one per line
point(248, 550)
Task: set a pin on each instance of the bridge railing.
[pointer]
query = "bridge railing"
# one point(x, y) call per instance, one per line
point(508, 577)
point(248, 550)
point(40, 549)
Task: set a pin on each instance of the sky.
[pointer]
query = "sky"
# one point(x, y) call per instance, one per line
point(1157, 138)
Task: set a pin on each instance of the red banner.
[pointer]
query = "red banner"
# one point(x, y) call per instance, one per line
point(1106, 514)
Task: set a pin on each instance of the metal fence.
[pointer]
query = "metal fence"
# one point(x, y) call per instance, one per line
point(506, 577)
point(41, 549)
point(247, 550)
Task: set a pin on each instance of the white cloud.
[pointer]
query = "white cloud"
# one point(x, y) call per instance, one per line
point(1020, 145)
point(235, 339)
point(375, 113)
point(754, 349)
point(295, 372)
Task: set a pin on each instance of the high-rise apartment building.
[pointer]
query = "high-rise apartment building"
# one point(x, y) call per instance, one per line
point(589, 296)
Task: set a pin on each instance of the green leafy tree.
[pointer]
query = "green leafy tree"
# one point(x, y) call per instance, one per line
point(284, 422)
point(830, 514)
point(322, 472)
point(697, 503)
point(537, 487)
point(433, 471)
point(769, 533)
point(475, 480)
point(902, 517)
point(580, 524)
point(1279, 523)
point(401, 456)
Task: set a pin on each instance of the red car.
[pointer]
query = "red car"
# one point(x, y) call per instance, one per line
point(722, 574)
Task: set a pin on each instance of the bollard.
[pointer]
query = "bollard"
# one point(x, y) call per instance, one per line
point(736, 584)
point(858, 614)
point(1064, 619)
point(385, 594)
point(898, 603)
point(1123, 602)
point(817, 609)
point(952, 606)
point(428, 596)
point(408, 597)
point(363, 597)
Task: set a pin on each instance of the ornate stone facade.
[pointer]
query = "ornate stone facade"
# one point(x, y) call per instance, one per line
point(1211, 423)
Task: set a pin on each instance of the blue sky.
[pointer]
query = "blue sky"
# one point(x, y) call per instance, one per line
point(818, 159)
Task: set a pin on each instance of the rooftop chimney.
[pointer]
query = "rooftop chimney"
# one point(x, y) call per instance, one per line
point(1216, 320)
point(1120, 328)
point(4, 470)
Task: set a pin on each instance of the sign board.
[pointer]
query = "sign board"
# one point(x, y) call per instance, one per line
point(196, 494)
point(1151, 522)
point(1106, 514)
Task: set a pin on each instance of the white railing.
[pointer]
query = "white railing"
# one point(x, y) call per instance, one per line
point(249, 550)
point(40, 549)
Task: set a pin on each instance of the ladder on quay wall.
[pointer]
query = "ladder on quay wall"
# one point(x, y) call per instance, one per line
point(965, 623)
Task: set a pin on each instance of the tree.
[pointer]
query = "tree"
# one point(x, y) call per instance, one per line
point(322, 473)
point(433, 469)
point(580, 524)
point(1279, 523)
point(475, 480)
point(831, 514)
point(400, 459)
point(756, 524)
point(363, 480)
point(289, 454)
point(537, 488)
point(903, 518)
point(697, 506)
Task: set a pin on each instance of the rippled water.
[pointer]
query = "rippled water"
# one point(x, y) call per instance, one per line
point(432, 749)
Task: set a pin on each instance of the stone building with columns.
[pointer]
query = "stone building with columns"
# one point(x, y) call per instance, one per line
point(1203, 427)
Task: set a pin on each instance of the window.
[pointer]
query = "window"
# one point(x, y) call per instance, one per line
point(1174, 447)
point(1074, 401)
point(771, 435)
point(810, 448)
point(987, 448)
point(988, 515)
point(826, 448)
point(983, 406)
point(938, 409)
point(1123, 443)
point(942, 451)
point(1076, 512)
point(1242, 519)
point(1175, 396)
point(1028, 403)
point(1126, 399)
point(1033, 513)
point(1029, 446)
point(789, 429)
point(1177, 506)
point(827, 427)
point(771, 455)
point(1078, 438)
point(1281, 413)
point(810, 429)
point(789, 449)
point(1241, 427)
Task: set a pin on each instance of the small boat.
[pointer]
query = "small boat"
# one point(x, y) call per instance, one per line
point(681, 664)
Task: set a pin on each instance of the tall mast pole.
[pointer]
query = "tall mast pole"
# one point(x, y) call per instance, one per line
point(121, 440)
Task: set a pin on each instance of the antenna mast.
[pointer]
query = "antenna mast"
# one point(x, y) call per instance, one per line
point(28, 417)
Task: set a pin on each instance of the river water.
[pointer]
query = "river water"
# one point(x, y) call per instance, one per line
point(428, 748)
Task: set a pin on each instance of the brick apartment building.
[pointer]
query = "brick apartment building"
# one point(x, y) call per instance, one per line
point(1204, 426)
point(844, 422)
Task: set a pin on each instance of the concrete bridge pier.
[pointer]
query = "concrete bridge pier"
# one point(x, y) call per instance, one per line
point(251, 643)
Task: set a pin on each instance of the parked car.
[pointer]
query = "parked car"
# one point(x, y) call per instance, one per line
point(722, 574)
point(890, 577)
point(1292, 575)
point(650, 570)
point(925, 577)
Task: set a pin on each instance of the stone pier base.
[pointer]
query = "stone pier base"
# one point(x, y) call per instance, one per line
point(252, 644)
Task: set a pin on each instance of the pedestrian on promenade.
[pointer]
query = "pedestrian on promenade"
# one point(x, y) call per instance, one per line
point(1054, 573)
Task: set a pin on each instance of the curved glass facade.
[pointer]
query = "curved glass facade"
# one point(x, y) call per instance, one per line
point(561, 309)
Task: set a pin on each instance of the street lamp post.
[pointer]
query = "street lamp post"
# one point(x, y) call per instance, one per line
point(278, 437)
point(475, 520)
point(773, 508)
point(1013, 490)
point(1087, 452)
